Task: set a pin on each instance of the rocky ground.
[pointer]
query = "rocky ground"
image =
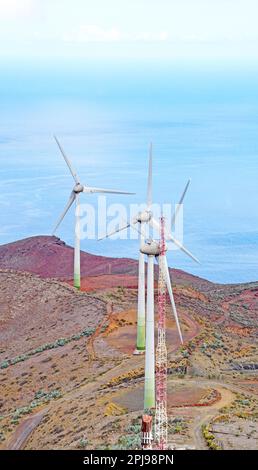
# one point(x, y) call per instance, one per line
point(68, 379)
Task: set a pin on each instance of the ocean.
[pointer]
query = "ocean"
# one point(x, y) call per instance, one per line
point(202, 120)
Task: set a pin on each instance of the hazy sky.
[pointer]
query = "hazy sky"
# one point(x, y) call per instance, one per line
point(192, 29)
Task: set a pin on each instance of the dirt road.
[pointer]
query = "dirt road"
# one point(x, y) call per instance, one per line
point(206, 414)
point(24, 429)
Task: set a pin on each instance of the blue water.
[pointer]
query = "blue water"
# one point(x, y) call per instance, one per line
point(202, 120)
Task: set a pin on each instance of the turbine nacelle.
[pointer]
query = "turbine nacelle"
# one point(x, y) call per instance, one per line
point(78, 188)
point(151, 248)
point(143, 216)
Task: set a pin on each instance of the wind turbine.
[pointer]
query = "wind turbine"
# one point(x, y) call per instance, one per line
point(144, 218)
point(74, 197)
point(152, 249)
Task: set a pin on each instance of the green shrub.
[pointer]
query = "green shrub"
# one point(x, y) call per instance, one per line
point(39, 394)
point(82, 443)
point(129, 442)
point(133, 428)
point(45, 347)
point(5, 364)
point(39, 398)
point(210, 438)
point(61, 342)
point(76, 337)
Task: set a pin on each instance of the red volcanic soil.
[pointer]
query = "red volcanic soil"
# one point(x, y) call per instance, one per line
point(123, 339)
point(93, 283)
point(35, 311)
point(50, 257)
point(244, 306)
point(178, 395)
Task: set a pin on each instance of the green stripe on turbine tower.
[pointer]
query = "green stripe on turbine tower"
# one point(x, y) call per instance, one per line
point(149, 382)
point(149, 394)
point(141, 337)
point(77, 281)
point(140, 343)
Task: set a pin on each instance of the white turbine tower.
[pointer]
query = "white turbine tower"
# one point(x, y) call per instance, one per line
point(145, 217)
point(74, 197)
point(151, 248)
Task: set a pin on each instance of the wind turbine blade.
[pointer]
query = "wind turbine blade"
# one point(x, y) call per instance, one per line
point(67, 207)
point(125, 226)
point(115, 231)
point(170, 291)
point(169, 236)
point(179, 204)
point(67, 161)
point(87, 189)
point(155, 224)
point(182, 248)
point(149, 188)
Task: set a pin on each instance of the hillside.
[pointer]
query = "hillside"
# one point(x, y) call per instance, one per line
point(68, 379)
point(48, 256)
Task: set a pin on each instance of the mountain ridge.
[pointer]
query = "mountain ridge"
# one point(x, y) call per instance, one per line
point(50, 257)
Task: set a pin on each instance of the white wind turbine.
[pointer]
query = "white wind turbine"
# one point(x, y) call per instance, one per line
point(74, 197)
point(145, 217)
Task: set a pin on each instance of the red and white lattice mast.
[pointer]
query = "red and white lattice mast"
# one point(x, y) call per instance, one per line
point(161, 422)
